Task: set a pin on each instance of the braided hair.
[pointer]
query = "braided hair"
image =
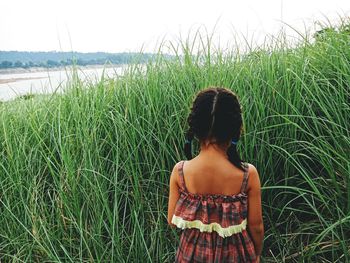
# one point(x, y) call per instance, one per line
point(215, 115)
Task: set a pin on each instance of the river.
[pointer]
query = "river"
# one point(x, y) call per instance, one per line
point(16, 83)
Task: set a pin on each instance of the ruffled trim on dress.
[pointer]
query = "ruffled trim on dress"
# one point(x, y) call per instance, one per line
point(222, 231)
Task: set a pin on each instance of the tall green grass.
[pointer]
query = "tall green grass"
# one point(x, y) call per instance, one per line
point(84, 175)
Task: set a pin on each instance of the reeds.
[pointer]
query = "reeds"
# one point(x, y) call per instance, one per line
point(84, 175)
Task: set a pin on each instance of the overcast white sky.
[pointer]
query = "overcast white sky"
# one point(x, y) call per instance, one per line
point(117, 26)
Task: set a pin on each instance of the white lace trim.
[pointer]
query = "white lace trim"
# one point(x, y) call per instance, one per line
point(222, 231)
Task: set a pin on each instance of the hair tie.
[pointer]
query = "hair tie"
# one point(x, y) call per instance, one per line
point(234, 142)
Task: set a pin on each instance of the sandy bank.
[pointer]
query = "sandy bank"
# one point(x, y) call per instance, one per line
point(4, 81)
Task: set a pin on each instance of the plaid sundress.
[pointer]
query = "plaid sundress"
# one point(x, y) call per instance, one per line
point(213, 226)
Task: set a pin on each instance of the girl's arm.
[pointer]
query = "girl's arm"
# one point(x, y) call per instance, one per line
point(173, 194)
point(255, 220)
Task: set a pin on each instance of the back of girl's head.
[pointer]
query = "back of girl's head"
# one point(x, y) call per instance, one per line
point(216, 117)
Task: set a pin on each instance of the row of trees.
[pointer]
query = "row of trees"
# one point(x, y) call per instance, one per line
point(122, 58)
point(18, 64)
point(49, 63)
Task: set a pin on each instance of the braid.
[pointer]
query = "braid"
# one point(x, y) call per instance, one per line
point(188, 145)
point(233, 154)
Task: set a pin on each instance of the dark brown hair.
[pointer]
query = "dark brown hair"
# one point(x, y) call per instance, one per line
point(216, 116)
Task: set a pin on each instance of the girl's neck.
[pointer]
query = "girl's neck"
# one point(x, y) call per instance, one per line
point(212, 150)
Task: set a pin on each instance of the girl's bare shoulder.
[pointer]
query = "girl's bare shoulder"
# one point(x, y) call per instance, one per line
point(254, 178)
point(251, 169)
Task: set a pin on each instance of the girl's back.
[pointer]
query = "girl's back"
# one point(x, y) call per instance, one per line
point(212, 175)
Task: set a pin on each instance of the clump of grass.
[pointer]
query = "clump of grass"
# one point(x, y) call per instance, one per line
point(84, 175)
point(27, 96)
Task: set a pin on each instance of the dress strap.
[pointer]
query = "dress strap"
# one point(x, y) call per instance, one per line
point(181, 175)
point(245, 178)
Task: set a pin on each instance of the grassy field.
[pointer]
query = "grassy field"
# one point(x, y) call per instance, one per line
point(84, 175)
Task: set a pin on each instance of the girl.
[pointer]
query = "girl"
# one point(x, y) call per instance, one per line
point(215, 197)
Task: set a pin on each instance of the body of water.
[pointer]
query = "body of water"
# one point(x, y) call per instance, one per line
point(13, 84)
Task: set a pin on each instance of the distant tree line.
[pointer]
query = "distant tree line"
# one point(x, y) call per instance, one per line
point(19, 59)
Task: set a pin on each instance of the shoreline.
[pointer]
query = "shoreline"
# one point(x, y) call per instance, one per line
point(5, 81)
point(41, 69)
